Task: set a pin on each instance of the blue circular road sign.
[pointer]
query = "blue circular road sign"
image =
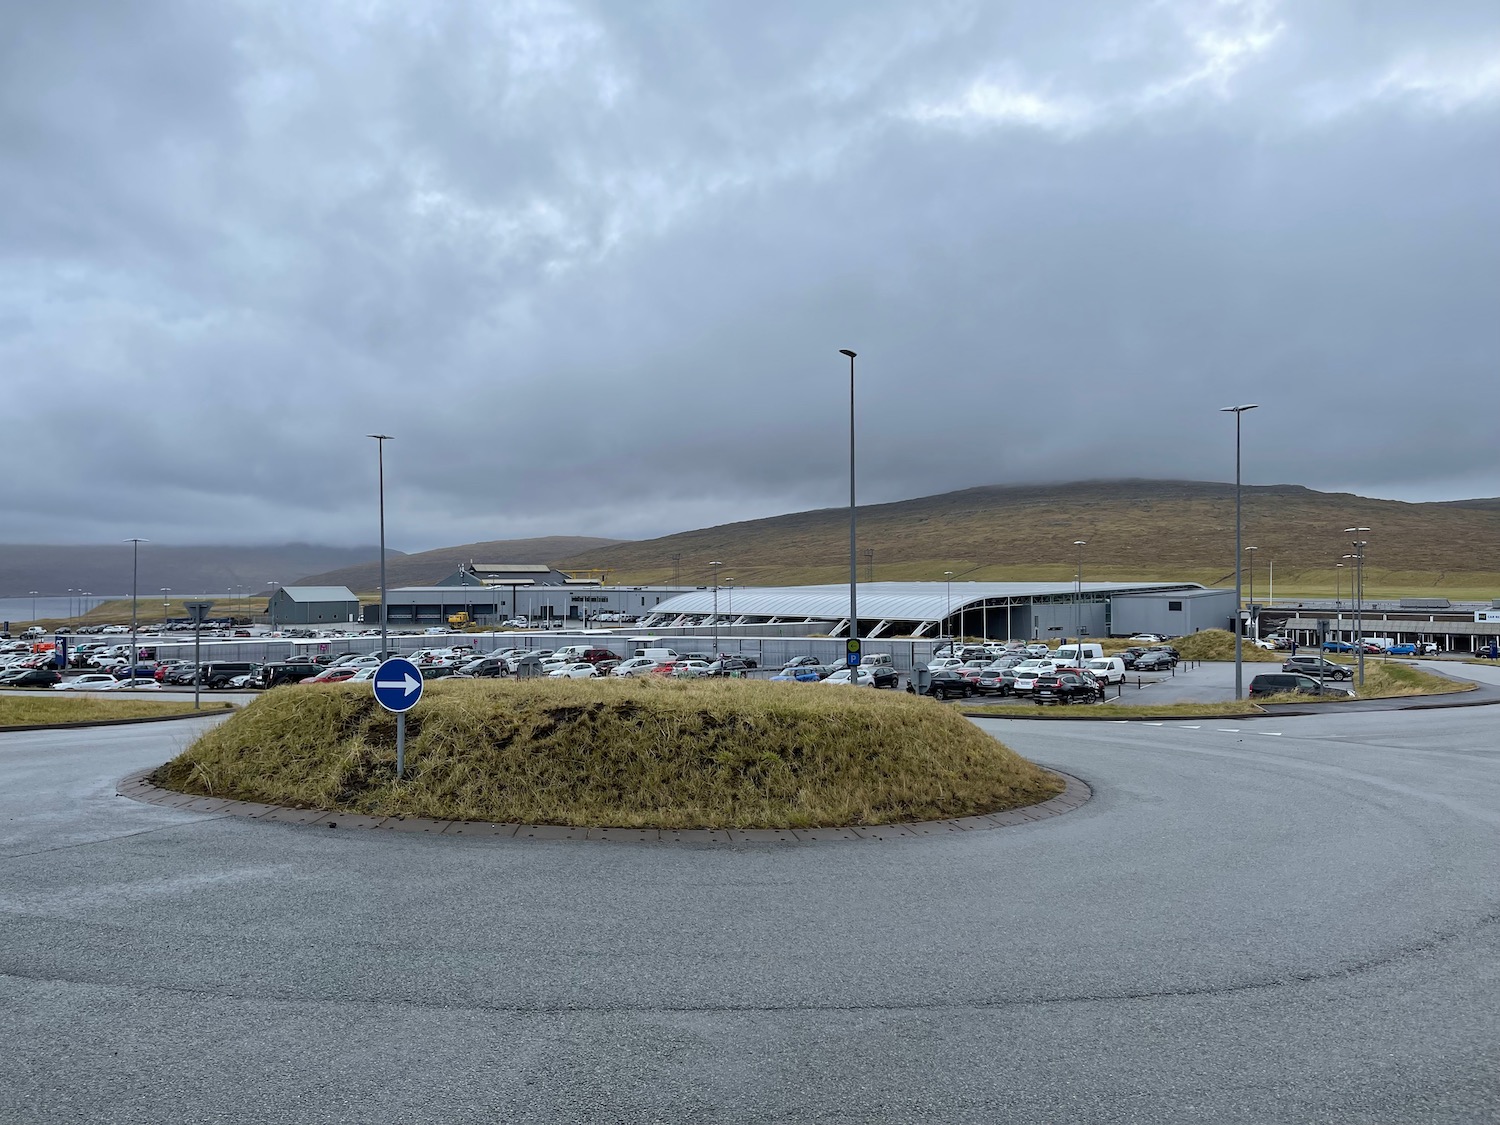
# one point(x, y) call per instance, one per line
point(398, 685)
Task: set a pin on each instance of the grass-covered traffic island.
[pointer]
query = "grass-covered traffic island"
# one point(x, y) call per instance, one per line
point(607, 753)
point(53, 710)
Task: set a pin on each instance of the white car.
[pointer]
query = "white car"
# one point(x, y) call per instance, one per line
point(91, 681)
point(1269, 646)
point(364, 674)
point(944, 663)
point(687, 669)
point(1146, 639)
point(581, 670)
point(844, 676)
point(635, 666)
point(134, 685)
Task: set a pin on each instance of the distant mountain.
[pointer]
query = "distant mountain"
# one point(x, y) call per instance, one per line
point(427, 567)
point(105, 568)
point(1134, 529)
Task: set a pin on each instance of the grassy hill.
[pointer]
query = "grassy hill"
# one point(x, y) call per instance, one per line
point(105, 568)
point(427, 567)
point(1135, 530)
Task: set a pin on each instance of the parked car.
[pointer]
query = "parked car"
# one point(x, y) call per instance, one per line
point(803, 674)
point(335, 675)
point(800, 662)
point(218, 673)
point(137, 684)
point(1337, 646)
point(577, 670)
point(1109, 669)
point(1312, 665)
point(1065, 687)
point(1155, 660)
point(33, 677)
point(483, 667)
point(635, 666)
point(733, 667)
point(997, 681)
point(1407, 649)
point(859, 677)
point(947, 684)
point(1294, 683)
point(89, 681)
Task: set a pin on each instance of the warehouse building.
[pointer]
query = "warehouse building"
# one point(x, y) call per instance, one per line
point(995, 610)
point(312, 605)
point(1172, 613)
point(575, 601)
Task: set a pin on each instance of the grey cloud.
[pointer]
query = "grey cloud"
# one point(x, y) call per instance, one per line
point(591, 263)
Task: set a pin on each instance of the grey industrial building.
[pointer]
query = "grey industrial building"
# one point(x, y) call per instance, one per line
point(571, 600)
point(312, 605)
point(507, 574)
point(998, 610)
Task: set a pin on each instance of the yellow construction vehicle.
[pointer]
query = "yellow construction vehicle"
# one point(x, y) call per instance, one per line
point(458, 620)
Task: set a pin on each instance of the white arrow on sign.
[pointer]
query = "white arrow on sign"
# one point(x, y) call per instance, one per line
point(407, 684)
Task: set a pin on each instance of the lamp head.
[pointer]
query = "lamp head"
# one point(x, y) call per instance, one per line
point(1239, 409)
point(847, 352)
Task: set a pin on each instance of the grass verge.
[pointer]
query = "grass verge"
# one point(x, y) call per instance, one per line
point(627, 753)
point(40, 710)
point(1390, 680)
point(1218, 644)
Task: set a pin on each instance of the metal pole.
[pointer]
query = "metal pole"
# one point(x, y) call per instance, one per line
point(197, 659)
point(1254, 621)
point(1078, 599)
point(135, 559)
point(1359, 598)
point(385, 645)
point(853, 558)
point(1239, 657)
point(948, 609)
point(400, 745)
point(716, 566)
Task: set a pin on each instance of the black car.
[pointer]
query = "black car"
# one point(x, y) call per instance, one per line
point(483, 668)
point(32, 677)
point(947, 684)
point(1154, 661)
point(1064, 687)
point(733, 667)
point(750, 661)
point(1294, 683)
point(287, 672)
point(218, 673)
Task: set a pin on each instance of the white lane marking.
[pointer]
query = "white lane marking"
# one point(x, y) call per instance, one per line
point(1270, 733)
point(1227, 730)
point(1192, 728)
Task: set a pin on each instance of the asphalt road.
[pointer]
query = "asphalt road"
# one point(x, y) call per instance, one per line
point(1288, 920)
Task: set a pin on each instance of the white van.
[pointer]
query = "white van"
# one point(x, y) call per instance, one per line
point(1110, 669)
point(660, 655)
point(1072, 654)
point(571, 652)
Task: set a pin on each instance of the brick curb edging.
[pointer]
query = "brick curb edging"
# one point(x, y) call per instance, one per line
point(115, 722)
point(139, 787)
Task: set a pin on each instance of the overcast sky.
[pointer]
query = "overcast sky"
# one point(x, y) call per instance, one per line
point(591, 263)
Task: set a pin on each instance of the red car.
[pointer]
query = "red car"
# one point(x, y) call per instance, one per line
point(331, 676)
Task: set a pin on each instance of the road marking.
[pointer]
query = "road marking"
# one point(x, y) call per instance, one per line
point(1270, 733)
point(1227, 730)
point(1192, 728)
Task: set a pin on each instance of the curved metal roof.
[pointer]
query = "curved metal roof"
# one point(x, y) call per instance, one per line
point(902, 601)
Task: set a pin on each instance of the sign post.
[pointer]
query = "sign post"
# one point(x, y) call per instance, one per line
point(398, 687)
point(851, 655)
point(197, 611)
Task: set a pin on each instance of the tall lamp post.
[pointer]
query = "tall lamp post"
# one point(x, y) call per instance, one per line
point(1338, 601)
point(1078, 600)
point(33, 608)
point(380, 440)
point(853, 558)
point(1359, 597)
point(1239, 631)
point(948, 613)
point(135, 559)
point(165, 590)
point(1250, 565)
point(716, 566)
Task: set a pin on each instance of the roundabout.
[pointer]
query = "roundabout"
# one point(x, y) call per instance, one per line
point(1288, 920)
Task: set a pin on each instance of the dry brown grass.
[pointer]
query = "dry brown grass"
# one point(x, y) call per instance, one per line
point(1218, 644)
point(616, 753)
point(28, 710)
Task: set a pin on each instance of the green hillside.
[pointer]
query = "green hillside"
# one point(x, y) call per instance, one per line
point(1135, 530)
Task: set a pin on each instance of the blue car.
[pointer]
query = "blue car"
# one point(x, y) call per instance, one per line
point(800, 675)
point(1402, 650)
point(1337, 646)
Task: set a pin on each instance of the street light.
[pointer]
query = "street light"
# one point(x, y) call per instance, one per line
point(716, 566)
point(1338, 600)
point(948, 615)
point(165, 590)
point(1359, 597)
point(1239, 668)
point(853, 560)
point(33, 608)
point(275, 587)
point(1078, 600)
point(135, 559)
point(1254, 621)
point(380, 440)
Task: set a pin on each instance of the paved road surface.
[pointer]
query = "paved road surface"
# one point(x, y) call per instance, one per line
point(1293, 920)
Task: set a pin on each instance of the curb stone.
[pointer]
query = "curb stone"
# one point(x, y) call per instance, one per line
point(138, 786)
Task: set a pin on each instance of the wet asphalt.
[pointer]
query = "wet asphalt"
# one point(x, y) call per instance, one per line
point(1286, 920)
